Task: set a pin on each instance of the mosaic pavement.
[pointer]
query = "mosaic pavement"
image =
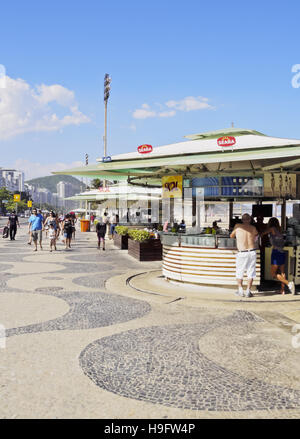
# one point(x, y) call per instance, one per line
point(164, 365)
point(177, 360)
point(87, 310)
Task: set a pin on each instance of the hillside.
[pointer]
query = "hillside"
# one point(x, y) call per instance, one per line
point(51, 181)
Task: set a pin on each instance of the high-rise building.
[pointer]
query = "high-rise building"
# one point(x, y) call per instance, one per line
point(64, 190)
point(12, 179)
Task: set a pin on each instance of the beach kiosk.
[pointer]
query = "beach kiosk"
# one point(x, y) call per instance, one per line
point(214, 176)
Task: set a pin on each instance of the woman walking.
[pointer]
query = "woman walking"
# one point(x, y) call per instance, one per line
point(74, 221)
point(278, 255)
point(52, 237)
point(52, 221)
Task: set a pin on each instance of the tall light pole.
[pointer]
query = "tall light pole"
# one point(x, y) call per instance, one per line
point(107, 81)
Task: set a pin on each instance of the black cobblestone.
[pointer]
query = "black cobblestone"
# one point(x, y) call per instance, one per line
point(87, 310)
point(96, 281)
point(163, 365)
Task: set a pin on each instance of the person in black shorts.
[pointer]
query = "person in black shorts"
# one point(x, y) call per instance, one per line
point(12, 223)
point(278, 255)
point(67, 230)
point(101, 231)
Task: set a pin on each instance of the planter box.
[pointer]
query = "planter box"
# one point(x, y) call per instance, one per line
point(121, 241)
point(145, 251)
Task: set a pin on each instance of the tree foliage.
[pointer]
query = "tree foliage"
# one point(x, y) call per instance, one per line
point(96, 183)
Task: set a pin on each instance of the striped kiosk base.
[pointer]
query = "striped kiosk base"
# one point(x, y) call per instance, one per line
point(209, 266)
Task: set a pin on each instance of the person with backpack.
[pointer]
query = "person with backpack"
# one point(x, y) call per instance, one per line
point(12, 223)
point(101, 231)
point(67, 230)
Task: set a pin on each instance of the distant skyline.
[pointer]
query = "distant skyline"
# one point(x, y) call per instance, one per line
point(177, 68)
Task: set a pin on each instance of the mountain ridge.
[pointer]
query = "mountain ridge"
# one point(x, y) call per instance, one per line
point(49, 182)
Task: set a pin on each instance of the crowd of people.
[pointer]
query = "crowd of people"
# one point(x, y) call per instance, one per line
point(55, 227)
point(59, 227)
point(250, 236)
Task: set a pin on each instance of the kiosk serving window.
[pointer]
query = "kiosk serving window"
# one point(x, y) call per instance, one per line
point(229, 186)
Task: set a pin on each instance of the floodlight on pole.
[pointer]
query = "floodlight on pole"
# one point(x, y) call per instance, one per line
point(107, 81)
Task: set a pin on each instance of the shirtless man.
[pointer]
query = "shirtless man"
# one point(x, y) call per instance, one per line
point(245, 235)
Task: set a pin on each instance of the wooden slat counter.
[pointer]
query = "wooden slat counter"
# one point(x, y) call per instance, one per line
point(211, 266)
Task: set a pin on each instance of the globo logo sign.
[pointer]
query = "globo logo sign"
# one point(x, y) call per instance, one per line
point(226, 141)
point(106, 159)
point(144, 149)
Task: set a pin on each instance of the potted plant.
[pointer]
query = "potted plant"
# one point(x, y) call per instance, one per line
point(142, 247)
point(121, 237)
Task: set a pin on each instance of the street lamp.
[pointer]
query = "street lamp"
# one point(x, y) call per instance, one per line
point(107, 81)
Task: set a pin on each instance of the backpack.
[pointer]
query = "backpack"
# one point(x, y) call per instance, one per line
point(5, 232)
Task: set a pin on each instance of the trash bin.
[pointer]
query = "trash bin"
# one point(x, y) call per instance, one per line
point(85, 225)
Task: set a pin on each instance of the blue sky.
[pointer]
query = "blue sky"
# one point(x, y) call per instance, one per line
point(232, 59)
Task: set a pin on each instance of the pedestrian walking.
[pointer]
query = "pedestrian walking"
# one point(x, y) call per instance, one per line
point(74, 221)
point(35, 228)
point(278, 255)
point(12, 223)
point(114, 222)
point(67, 230)
point(101, 231)
point(52, 237)
point(245, 235)
point(52, 220)
point(39, 213)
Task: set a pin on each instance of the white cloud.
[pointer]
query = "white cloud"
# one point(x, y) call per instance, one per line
point(26, 109)
point(167, 113)
point(132, 127)
point(2, 76)
point(35, 169)
point(190, 103)
point(144, 112)
point(55, 93)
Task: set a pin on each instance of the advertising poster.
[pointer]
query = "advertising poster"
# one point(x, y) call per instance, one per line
point(280, 185)
point(172, 186)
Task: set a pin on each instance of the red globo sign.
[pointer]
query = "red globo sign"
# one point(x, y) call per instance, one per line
point(144, 149)
point(226, 141)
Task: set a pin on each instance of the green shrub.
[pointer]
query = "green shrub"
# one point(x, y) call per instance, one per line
point(121, 230)
point(139, 235)
point(160, 228)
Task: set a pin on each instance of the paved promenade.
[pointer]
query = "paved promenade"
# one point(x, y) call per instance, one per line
point(94, 334)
